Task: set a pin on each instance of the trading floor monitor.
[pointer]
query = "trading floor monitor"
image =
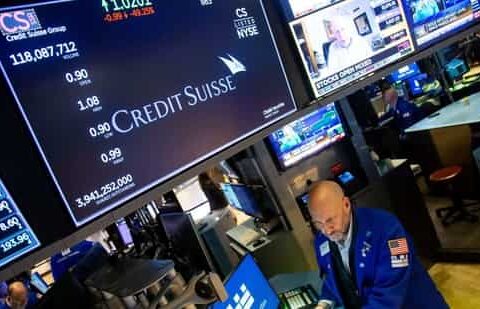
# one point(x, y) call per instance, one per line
point(247, 287)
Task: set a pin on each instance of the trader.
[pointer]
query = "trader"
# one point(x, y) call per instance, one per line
point(405, 112)
point(366, 256)
point(18, 297)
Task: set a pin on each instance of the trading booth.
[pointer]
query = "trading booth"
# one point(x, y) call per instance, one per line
point(160, 154)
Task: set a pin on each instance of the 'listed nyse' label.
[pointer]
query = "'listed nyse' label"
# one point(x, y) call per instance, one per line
point(244, 24)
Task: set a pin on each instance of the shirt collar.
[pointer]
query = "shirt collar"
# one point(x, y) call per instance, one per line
point(348, 240)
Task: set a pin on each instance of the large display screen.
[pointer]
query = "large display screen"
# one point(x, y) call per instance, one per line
point(307, 136)
point(121, 95)
point(16, 236)
point(343, 41)
point(433, 20)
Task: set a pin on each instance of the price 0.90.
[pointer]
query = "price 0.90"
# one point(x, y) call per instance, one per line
point(76, 76)
point(100, 129)
point(15, 242)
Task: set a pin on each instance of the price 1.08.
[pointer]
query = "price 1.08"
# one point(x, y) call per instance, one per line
point(92, 102)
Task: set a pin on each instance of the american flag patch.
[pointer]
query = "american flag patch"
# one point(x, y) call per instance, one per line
point(398, 246)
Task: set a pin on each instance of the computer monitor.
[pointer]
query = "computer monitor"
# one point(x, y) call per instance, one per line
point(190, 252)
point(455, 69)
point(247, 287)
point(38, 283)
point(307, 136)
point(242, 198)
point(341, 42)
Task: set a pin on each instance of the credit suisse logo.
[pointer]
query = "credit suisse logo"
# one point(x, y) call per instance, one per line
point(19, 21)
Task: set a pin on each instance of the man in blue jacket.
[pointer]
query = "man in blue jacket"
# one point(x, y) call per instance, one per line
point(366, 257)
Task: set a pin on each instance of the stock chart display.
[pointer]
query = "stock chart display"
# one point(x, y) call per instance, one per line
point(16, 237)
point(120, 95)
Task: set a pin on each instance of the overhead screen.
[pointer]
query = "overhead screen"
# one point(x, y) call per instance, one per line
point(433, 20)
point(307, 136)
point(121, 95)
point(343, 41)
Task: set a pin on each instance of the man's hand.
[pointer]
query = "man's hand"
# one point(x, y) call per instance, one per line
point(324, 304)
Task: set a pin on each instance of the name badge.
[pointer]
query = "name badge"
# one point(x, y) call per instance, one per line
point(324, 248)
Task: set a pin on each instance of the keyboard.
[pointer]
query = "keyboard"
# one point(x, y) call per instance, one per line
point(244, 235)
point(302, 297)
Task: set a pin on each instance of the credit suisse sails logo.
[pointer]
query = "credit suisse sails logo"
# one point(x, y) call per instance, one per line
point(19, 21)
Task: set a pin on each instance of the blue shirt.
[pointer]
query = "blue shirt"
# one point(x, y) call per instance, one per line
point(384, 268)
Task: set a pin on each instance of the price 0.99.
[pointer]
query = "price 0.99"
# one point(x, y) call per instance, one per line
point(100, 129)
point(15, 242)
point(111, 155)
point(76, 76)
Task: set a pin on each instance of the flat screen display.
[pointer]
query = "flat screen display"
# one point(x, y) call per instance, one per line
point(247, 287)
point(242, 198)
point(120, 96)
point(342, 41)
point(16, 236)
point(307, 136)
point(434, 20)
point(405, 72)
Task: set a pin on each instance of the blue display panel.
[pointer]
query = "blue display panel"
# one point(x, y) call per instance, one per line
point(122, 95)
point(248, 288)
point(434, 20)
point(307, 136)
point(405, 72)
point(242, 198)
point(16, 236)
point(342, 41)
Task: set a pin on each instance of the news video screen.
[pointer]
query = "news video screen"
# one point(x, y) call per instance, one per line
point(434, 20)
point(307, 136)
point(343, 41)
point(120, 96)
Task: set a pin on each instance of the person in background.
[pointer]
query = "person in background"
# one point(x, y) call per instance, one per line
point(404, 112)
point(210, 184)
point(348, 47)
point(18, 297)
point(366, 257)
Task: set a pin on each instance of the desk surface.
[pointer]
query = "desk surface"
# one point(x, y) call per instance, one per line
point(129, 276)
point(454, 114)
